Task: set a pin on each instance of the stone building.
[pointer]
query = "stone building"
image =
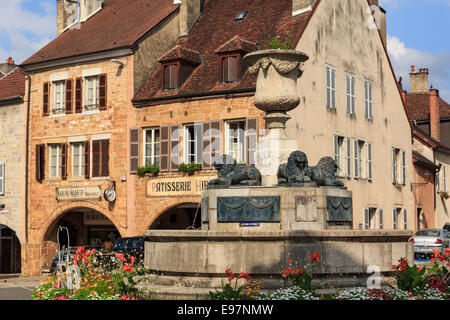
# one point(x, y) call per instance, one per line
point(12, 166)
point(81, 87)
point(351, 107)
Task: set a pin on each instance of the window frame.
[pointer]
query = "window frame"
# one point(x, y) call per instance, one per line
point(96, 90)
point(196, 139)
point(58, 160)
point(177, 64)
point(238, 68)
point(350, 94)
point(54, 86)
point(152, 157)
point(81, 161)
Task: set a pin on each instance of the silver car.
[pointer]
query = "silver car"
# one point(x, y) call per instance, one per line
point(427, 240)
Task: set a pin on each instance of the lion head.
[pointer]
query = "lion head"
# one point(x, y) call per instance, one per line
point(299, 159)
point(328, 165)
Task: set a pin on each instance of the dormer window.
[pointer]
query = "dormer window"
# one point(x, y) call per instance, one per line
point(171, 72)
point(230, 68)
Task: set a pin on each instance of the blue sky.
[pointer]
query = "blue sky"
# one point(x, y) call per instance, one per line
point(418, 34)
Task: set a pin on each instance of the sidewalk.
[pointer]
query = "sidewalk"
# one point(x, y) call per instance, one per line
point(16, 280)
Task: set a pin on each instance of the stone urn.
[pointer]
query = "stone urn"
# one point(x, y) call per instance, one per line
point(276, 93)
point(276, 85)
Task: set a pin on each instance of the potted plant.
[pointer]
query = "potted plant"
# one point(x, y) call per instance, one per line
point(444, 195)
point(152, 169)
point(190, 168)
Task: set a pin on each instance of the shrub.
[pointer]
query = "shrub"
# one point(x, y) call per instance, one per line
point(189, 168)
point(409, 278)
point(275, 43)
point(148, 168)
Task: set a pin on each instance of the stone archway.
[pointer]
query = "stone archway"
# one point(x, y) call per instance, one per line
point(10, 251)
point(180, 216)
point(76, 226)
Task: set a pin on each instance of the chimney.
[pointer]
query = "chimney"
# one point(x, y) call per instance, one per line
point(435, 119)
point(88, 7)
point(300, 6)
point(8, 66)
point(418, 81)
point(190, 11)
point(67, 14)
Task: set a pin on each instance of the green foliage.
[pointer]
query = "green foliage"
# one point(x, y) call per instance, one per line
point(227, 293)
point(275, 43)
point(148, 168)
point(190, 168)
point(409, 278)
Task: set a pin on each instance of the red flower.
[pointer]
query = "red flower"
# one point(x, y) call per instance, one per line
point(228, 271)
point(298, 271)
point(133, 259)
point(231, 277)
point(290, 260)
point(315, 257)
point(244, 275)
point(121, 256)
point(128, 267)
point(80, 249)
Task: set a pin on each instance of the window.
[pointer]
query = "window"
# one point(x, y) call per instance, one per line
point(369, 161)
point(92, 96)
point(235, 142)
point(350, 94)
point(55, 160)
point(368, 101)
point(369, 218)
point(59, 97)
point(193, 143)
point(331, 87)
point(395, 214)
point(100, 158)
point(78, 159)
point(2, 178)
point(152, 146)
point(398, 166)
point(339, 154)
point(358, 147)
point(230, 67)
point(170, 77)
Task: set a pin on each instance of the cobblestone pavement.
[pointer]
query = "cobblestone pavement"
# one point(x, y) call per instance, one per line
point(16, 287)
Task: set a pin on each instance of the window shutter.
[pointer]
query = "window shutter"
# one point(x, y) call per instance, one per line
point(104, 158)
point(46, 102)
point(216, 141)
point(353, 108)
point(336, 149)
point(102, 90)
point(369, 161)
point(333, 88)
point(348, 157)
point(404, 168)
point(252, 139)
point(380, 217)
point(370, 101)
point(394, 166)
point(198, 141)
point(167, 78)
point(355, 157)
point(96, 158)
point(366, 100)
point(69, 84)
point(328, 85)
point(2, 178)
point(405, 219)
point(174, 147)
point(394, 219)
point(64, 161)
point(78, 95)
point(347, 89)
point(86, 160)
point(366, 219)
point(164, 150)
point(40, 162)
point(225, 74)
point(206, 141)
point(134, 150)
point(232, 69)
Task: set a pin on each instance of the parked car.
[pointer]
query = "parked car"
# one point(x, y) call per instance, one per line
point(130, 246)
point(427, 240)
point(447, 227)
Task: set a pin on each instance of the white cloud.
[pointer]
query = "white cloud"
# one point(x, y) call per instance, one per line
point(26, 31)
point(403, 58)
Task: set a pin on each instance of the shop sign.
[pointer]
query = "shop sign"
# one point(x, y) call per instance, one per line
point(182, 186)
point(78, 193)
point(96, 219)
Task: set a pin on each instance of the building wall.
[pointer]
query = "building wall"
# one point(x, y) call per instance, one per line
point(443, 205)
point(44, 209)
point(12, 142)
point(337, 35)
point(424, 197)
point(149, 208)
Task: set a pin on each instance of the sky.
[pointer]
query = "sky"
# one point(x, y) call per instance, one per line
point(418, 34)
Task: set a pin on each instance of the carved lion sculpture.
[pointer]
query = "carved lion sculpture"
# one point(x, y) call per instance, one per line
point(294, 170)
point(324, 174)
point(231, 173)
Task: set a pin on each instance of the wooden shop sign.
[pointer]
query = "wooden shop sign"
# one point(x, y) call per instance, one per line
point(78, 193)
point(182, 186)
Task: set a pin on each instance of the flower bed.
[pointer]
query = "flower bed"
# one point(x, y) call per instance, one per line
point(87, 279)
point(413, 283)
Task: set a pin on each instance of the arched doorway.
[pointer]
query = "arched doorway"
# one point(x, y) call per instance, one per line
point(181, 217)
point(77, 227)
point(9, 251)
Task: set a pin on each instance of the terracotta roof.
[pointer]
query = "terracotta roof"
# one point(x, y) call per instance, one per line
point(13, 85)
point(179, 52)
point(216, 27)
point(421, 160)
point(237, 44)
point(119, 24)
point(418, 106)
point(427, 139)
